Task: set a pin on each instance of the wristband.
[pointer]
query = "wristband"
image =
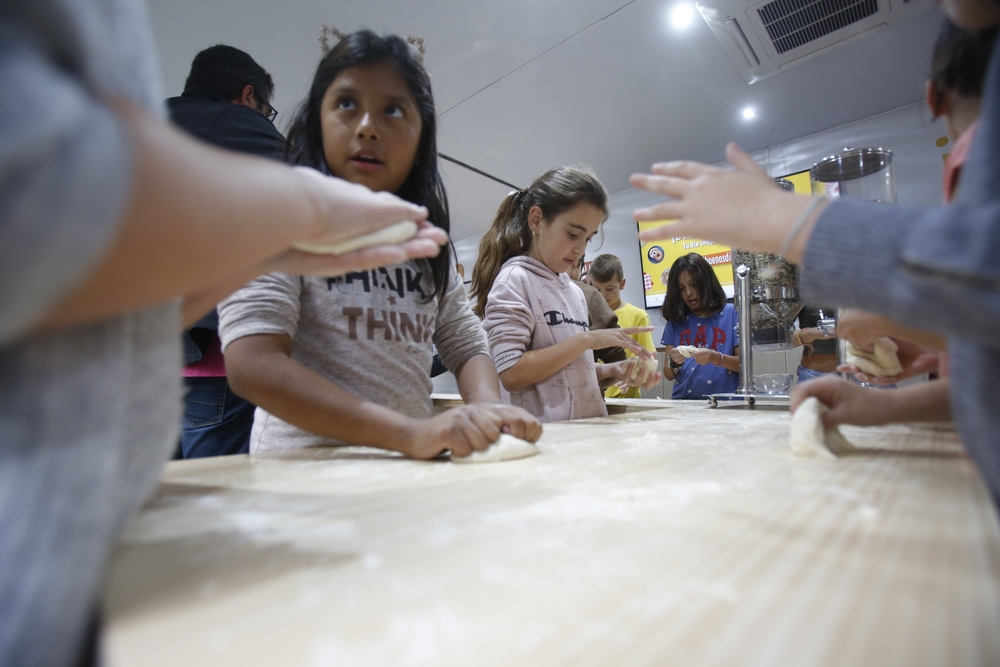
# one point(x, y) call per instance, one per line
point(674, 366)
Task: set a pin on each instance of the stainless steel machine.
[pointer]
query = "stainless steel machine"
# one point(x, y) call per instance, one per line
point(766, 295)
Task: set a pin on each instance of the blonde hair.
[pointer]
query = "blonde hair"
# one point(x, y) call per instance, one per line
point(554, 192)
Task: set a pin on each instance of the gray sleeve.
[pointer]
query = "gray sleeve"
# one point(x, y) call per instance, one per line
point(65, 182)
point(932, 268)
point(266, 305)
point(457, 334)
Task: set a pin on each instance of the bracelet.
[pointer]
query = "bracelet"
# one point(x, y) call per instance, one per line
point(721, 359)
point(797, 227)
point(674, 366)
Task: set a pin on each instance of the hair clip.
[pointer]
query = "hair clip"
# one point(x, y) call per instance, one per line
point(417, 46)
point(325, 33)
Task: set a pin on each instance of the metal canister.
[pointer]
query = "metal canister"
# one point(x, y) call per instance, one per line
point(862, 173)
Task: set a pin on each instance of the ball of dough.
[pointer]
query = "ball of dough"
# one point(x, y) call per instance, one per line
point(391, 235)
point(882, 361)
point(651, 365)
point(686, 350)
point(506, 448)
point(809, 438)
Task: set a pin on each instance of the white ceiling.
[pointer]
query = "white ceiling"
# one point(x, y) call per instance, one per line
point(525, 85)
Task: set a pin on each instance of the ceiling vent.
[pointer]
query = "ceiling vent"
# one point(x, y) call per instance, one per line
point(763, 38)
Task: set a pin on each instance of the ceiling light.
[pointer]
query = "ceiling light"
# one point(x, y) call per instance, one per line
point(749, 113)
point(681, 16)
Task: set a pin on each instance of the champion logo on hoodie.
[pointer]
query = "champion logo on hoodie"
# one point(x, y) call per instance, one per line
point(555, 318)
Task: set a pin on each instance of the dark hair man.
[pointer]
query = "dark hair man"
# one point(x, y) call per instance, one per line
point(226, 102)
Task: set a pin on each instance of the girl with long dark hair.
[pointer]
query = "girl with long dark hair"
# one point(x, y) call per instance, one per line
point(347, 359)
point(701, 339)
point(535, 317)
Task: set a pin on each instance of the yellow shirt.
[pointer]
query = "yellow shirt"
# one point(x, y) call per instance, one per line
point(630, 316)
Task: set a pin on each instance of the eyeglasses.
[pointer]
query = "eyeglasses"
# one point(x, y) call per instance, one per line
point(270, 112)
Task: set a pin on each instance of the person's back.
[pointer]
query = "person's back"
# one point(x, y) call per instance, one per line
point(227, 103)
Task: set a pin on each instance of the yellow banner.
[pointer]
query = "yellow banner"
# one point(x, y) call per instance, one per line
point(658, 256)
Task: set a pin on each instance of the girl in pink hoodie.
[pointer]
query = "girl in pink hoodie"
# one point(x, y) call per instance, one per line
point(535, 317)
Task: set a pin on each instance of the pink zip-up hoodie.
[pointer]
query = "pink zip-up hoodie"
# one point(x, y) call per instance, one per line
point(530, 307)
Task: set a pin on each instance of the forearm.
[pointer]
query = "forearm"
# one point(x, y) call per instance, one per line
point(730, 362)
point(669, 373)
point(478, 381)
point(537, 365)
point(299, 396)
point(924, 402)
point(198, 215)
point(195, 306)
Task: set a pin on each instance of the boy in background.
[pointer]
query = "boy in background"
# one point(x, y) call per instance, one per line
point(607, 276)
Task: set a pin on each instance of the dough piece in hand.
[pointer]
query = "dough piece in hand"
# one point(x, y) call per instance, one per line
point(809, 438)
point(651, 365)
point(506, 448)
point(686, 350)
point(391, 235)
point(881, 362)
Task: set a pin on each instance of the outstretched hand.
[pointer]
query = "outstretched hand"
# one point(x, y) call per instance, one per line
point(343, 210)
point(740, 207)
point(598, 339)
point(426, 242)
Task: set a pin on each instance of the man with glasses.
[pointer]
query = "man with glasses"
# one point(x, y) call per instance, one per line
point(226, 102)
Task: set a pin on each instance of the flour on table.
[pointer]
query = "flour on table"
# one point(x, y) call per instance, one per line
point(391, 235)
point(809, 438)
point(506, 448)
point(882, 361)
point(686, 350)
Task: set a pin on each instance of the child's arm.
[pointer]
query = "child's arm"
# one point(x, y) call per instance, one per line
point(705, 355)
point(851, 403)
point(670, 353)
point(261, 369)
point(536, 365)
point(479, 385)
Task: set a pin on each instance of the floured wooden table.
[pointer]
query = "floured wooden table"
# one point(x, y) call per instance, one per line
point(678, 536)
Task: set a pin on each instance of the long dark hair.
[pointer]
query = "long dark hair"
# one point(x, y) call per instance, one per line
point(423, 186)
point(226, 70)
point(712, 296)
point(555, 191)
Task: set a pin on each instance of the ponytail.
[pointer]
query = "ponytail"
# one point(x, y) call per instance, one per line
point(508, 236)
point(555, 191)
